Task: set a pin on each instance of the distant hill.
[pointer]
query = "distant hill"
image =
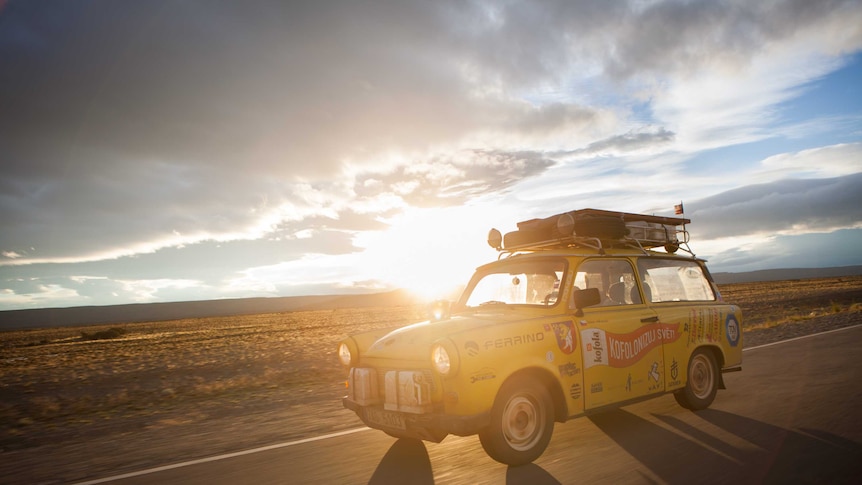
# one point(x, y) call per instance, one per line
point(151, 312)
point(786, 274)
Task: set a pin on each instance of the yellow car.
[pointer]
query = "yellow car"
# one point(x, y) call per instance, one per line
point(584, 311)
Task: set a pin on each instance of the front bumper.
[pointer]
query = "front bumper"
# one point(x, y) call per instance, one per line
point(429, 426)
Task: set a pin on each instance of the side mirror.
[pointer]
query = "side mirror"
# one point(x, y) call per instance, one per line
point(440, 310)
point(585, 298)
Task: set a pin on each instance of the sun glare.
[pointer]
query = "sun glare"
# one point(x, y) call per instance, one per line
point(429, 252)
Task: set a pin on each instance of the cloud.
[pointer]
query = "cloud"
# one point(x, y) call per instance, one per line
point(163, 120)
point(156, 141)
point(649, 138)
point(784, 207)
point(815, 250)
point(452, 180)
point(817, 162)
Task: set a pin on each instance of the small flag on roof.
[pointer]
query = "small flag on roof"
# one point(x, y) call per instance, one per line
point(677, 209)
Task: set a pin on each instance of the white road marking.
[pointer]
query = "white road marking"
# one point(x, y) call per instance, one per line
point(222, 457)
point(340, 433)
point(800, 338)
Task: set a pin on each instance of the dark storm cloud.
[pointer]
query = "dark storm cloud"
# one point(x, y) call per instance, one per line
point(134, 127)
point(126, 122)
point(840, 248)
point(710, 33)
point(783, 206)
point(525, 42)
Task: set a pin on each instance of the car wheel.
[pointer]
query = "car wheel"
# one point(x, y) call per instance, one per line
point(702, 383)
point(522, 421)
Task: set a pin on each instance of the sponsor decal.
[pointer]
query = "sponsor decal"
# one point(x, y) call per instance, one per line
point(597, 387)
point(569, 369)
point(674, 374)
point(483, 375)
point(716, 324)
point(472, 348)
point(623, 350)
point(732, 330)
point(704, 325)
point(595, 342)
point(653, 372)
point(504, 342)
point(575, 391)
point(565, 333)
point(654, 377)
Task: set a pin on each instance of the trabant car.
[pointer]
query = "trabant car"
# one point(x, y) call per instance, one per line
point(583, 311)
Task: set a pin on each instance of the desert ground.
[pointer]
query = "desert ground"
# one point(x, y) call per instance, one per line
point(76, 406)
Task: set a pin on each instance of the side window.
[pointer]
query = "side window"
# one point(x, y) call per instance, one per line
point(614, 278)
point(674, 280)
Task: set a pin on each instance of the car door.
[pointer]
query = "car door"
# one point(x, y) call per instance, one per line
point(620, 340)
point(689, 313)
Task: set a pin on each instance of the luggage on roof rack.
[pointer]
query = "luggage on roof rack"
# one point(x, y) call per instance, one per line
point(594, 228)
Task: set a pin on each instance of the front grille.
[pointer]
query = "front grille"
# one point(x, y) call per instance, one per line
point(407, 391)
point(426, 373)
point(402, 390)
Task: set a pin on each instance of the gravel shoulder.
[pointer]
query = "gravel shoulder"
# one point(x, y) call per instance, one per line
point(825, 323)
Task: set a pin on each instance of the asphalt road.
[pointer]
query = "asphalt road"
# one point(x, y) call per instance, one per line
point(793, 415)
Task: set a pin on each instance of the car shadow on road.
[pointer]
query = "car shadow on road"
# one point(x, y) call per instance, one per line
point(668, 455)
point(529, 474)
point(784, 455)
point(406, 461)
point(771, 455)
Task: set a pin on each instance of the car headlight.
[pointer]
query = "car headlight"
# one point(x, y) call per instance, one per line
point(440, 358)
point(344, 354)
point(444, 358)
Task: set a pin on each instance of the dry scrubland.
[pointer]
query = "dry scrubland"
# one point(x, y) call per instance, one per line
point(70, 376)
point(150, 393)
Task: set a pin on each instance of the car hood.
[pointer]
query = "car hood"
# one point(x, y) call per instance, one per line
point(414, 342)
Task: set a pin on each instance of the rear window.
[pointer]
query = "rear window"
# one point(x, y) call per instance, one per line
point(674, 280)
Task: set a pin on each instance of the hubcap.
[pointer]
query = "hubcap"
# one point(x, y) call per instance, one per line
point(522, 422)
point(701, 377)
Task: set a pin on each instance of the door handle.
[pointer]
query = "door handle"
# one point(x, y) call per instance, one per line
point(649, 320)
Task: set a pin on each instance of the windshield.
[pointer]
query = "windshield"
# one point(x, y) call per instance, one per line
point(531, 282)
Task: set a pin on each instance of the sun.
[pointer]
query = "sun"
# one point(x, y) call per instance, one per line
point(429, 252)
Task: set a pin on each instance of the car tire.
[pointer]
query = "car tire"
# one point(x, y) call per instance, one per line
point(522, 421)
point(702, 381)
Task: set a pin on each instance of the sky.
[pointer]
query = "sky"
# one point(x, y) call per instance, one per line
point(192, 150)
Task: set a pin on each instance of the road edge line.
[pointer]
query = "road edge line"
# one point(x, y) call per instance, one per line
point(802, 337)
point(222, 457)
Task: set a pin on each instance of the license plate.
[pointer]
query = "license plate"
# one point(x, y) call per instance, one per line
point(385, 418)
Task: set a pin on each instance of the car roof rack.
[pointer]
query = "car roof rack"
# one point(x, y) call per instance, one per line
point(596, 229)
